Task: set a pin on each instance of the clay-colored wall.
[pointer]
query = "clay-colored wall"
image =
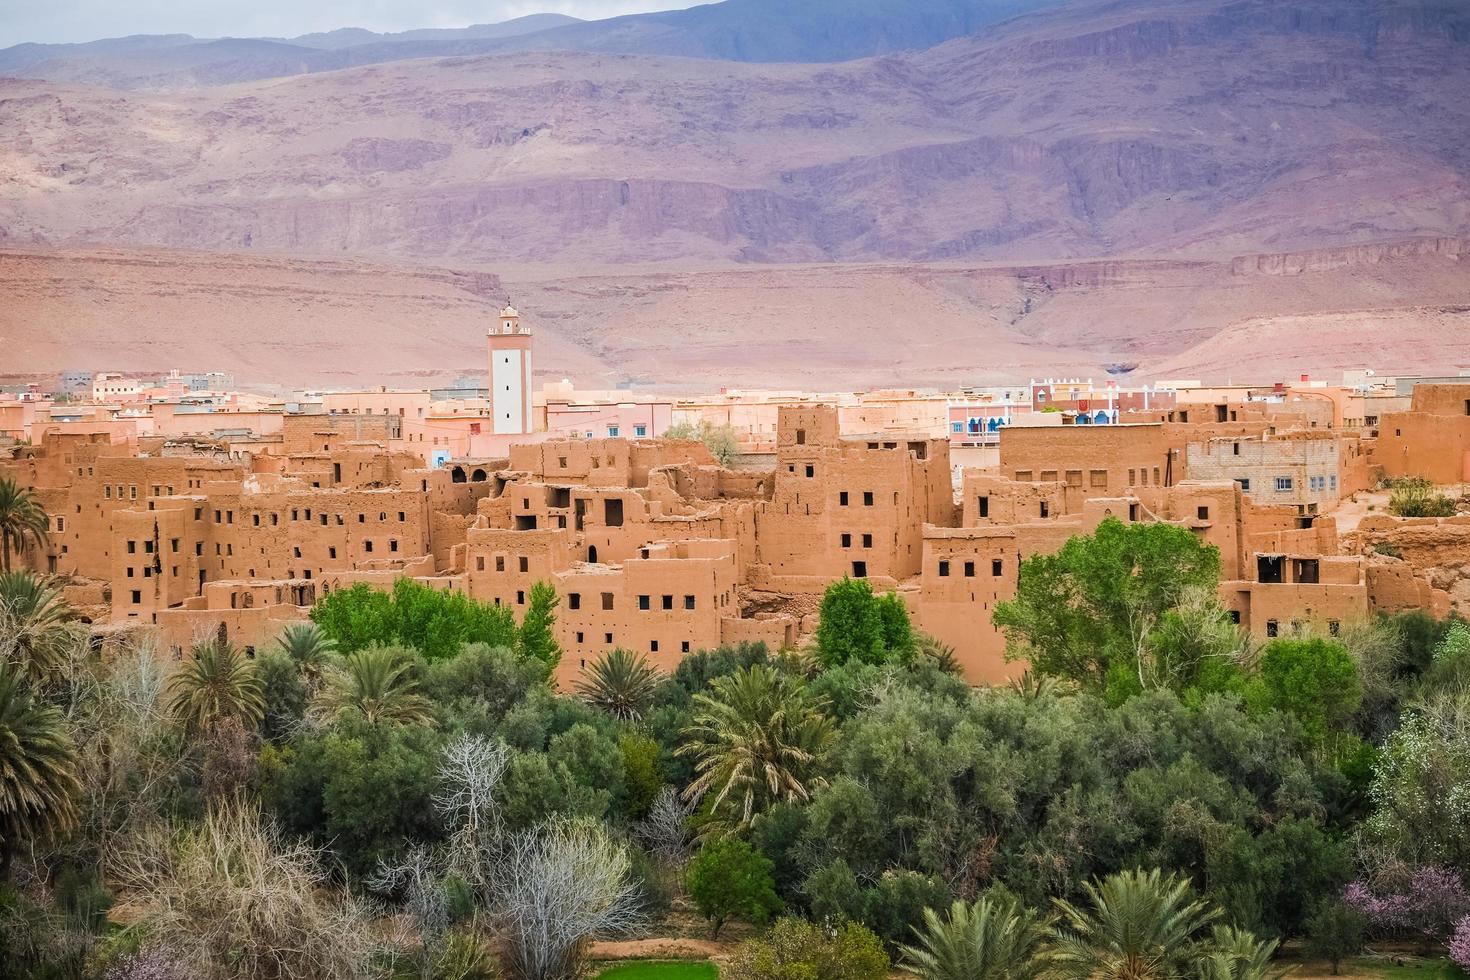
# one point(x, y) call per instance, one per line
point(1093, 460)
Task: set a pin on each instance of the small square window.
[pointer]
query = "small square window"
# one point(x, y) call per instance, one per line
point(525, 563)
point(847, 541)
point(944, 569)
point(969, 569)
point(668, 602)
point(997, 567)
point(867, 541)
point(689, 602)
point(644, 602)
point(842, 498)
point(867, 498)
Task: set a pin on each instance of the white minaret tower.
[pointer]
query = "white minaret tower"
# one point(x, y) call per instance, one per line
point(510, 374)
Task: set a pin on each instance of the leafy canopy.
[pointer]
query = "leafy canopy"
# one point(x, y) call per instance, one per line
point(436, 624)
point(1087, 613)
point(730, 879)
point(857, 626)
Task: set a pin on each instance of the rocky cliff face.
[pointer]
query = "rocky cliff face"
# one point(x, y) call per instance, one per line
point(1323, 259)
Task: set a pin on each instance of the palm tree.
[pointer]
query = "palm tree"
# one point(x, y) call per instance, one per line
point(1235, 954)
point(22, 521)
point(33, 619)
point(308, 647)
point(621, 683)
point(986, 940)
point(1035, 687)
point(217, 682)
point(757, 740)
point(37, 767)
point(937, 652)
point(1140, 925)
point(378, 685)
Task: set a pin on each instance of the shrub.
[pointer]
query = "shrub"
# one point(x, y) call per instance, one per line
point(795, 949)
point(232, 897)
point(1428, 906)
point(1414, 496)
point(1460, 944)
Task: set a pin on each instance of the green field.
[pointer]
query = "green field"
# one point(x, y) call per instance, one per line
point(660, 970)
point(1418, 970)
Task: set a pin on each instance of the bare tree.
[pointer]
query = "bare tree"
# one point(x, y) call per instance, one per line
point(665, 831)
point(420, 877)
point(472, 770)
point(560, 885)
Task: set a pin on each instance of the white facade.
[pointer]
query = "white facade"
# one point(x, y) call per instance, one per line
point(510, 375)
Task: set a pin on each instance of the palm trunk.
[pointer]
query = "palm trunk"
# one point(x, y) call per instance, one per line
point(5, 542)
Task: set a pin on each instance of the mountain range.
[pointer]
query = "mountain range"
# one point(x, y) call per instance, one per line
point(937, 135)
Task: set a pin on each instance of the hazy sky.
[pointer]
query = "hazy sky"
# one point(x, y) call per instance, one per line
point(88, 20)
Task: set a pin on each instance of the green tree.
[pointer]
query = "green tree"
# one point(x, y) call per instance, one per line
point(757, 739)
point(378, 686)
point(730, 879)
point(536, 638)
point(621, 683)
point(1313, 679)
point(366, 792)
point(434, 622)
point(721, 441)
point(1450, 668)
point(216, 682)
point(1419, 786)
point(898, 631)
point(284, 695)
point(38, 768)
point(1087, 612)
point(1335, 931)
point(356, 617)
point(794, 949)
point(642, 772)
point(23, 522)
point(1135, 925)
point(983, 940)
point(852, 625)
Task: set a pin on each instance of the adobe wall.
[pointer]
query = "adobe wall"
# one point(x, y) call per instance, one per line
point(1436, 549)
point(1092, 460)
